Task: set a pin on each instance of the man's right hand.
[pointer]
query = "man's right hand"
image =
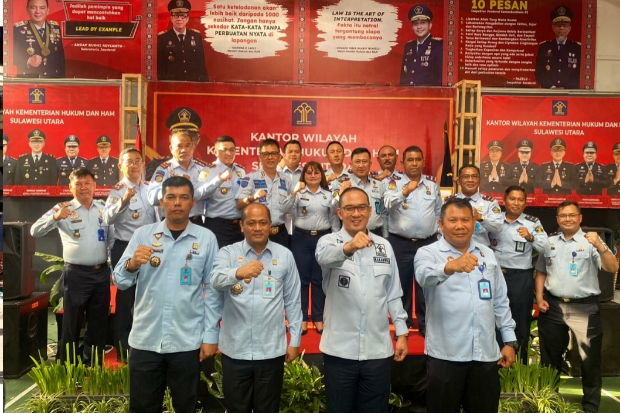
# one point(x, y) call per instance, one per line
point(543, 305)
point(128, 195)
point(345, 185)
point(140, 257)
point(250, 270)
point(62, 213)
point(465, 263)
point(261, 193)
point(35, 61)
point(331, 177)
point(359, 241)
point(225, 176)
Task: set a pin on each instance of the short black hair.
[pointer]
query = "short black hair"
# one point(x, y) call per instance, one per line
point(244, 213)
point(349, 189)
point(359, 151)
point(224, 138)
point(292, 142)
point(181, 132)
point(514, 188)
point(468, 166)
point(129, 150)
point(268, 142)
point(334, 143)
point(177, 182)
point(28, 3)
point(412, 148)
point(459, 203)
point(567, 204)
point(80, 173)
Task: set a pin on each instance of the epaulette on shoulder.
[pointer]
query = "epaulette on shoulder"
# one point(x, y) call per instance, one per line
point(194, 30)
point(438, 38)
point(53, 23)
point(579, 43)
point(543, 42)
point(119, 185)
point(342, 180)
point(553, 234)
point(531, 218)
point(488, 198)
point(374, 173)
point(21, 23)
point(200, 162)
point(239, 167)
point(411, 41)
point(162, 32)
point(165, 165)
point(395, 177)
point(210, 165)
point(430, 178)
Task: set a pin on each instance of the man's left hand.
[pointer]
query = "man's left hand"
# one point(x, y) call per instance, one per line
point(207, 350)
point(291, 354)
point(401, 350)
point(508, 357)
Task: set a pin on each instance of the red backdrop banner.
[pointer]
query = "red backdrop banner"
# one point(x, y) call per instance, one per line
point(561, 121)
point(59, 111)
point(354, 116)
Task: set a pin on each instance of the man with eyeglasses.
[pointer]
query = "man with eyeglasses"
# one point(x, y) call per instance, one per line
point(127, 208)
point(362, 288)
point(360, 178)
point(270, 188)
point(487, 215)
point(558, 62)
point(335, 156)
point(218, 185)
point(413, 205)
point(180, 50)
point(523, 173)
point(567, 294)
point(590, 174)
point(513, 246)
point(557, 177)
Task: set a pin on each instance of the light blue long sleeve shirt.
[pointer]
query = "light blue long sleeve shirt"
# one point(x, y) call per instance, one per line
point(253, 325)
point(79, 232)
point(316, 211)
point(514, 251)
point(221, 197)
point(278, 189)
point(460, 326)
point(124, 218)
point(489, 208)
point(169, 316)
point(360, 292)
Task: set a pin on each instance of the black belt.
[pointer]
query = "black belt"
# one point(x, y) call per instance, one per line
point(276, 229)
point(505, 270)
point(316, 233)
point(88, 267)
point(225, 220)
point(584, 300)
point(411, 239)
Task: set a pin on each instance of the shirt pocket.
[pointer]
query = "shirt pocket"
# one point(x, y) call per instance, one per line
point(381, 274)
point(76, 225)
point(344, 281)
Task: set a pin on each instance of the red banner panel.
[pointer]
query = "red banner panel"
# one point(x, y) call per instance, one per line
point(39, 120)
point(525, 43)
point(557, 147)
point(315, 116)
point(74, 39)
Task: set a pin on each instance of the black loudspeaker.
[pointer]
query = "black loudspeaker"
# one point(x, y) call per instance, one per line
point(606, 280)
point(25, 333)
point(18, 252)
point(610, 357)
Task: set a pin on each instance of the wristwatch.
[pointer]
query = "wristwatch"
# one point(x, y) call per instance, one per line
point(513, 344)
point(126, 267)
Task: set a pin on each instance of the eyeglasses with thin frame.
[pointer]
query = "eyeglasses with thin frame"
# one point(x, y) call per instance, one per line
point(350, 209)
point(269, 154)
point(468, 177)
point(137, 162)
point(311, 172)
point(571, 216)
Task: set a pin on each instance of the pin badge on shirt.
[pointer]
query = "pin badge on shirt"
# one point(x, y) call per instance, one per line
point(572, 266)
point(484, 285)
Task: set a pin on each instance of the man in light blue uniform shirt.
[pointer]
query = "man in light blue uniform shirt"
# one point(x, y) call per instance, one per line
point(290, 166)
point(465, 302)
point(85, 279)
point(567, 294)
point(169, 262)
point(360, 178)
point(271, 188)
point(413, 204)
point(218, 185)
point(335, 156)
point(360, 280)
point(183, 164)
point(128, 209)
point(513, 246)
point(259, 283)
point(487, 214)
point(387, 158)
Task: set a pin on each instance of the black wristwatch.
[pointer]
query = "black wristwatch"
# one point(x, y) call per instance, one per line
point(513, 344)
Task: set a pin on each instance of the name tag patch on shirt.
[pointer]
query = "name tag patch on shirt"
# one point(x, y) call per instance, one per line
point(382, 260)
point(344, 281)
point(260, 184)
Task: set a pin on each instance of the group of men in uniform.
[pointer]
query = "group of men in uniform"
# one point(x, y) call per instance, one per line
point(39, 168)
point(396, 230)
point(556, 177)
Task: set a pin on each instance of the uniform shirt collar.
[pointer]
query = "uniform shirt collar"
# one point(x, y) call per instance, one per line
point(247, 248)
point(445, 246)
point(189, 230)
point(130, 184)
point(425, 39)
point(286, 168)
point(182, 33)
point(520, 219)
point(579, 235)
point(357, 181)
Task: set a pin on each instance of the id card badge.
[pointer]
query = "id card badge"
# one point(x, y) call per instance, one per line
point(484, 289)
point(101, 234)
point(186, 276)
point(519, 246)
point(572, 269)
point(269, 287)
